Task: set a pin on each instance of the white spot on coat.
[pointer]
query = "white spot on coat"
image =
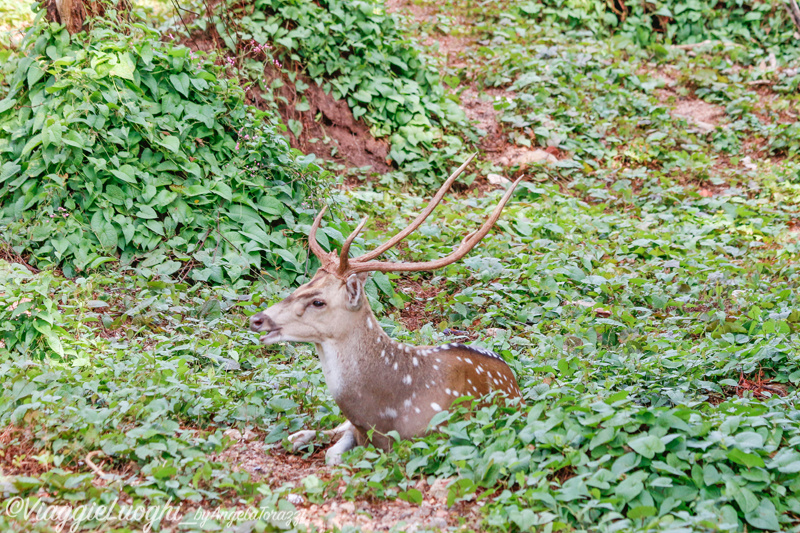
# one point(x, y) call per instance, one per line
point(388, 413)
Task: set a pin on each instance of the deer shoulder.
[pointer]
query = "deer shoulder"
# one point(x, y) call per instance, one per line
point(379, 384)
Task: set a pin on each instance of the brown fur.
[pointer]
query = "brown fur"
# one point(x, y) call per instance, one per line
point(378, 383)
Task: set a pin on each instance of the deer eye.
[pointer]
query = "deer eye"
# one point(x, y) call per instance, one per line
point(318, 303)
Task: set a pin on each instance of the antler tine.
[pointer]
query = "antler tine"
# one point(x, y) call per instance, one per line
point(466, 245)
point(343, 256)
point(420, 219)
point(312, 236)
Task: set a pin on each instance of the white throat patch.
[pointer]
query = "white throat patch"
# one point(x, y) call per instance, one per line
point(332, 368)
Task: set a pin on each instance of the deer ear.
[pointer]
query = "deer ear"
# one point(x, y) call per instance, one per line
point(355, 289)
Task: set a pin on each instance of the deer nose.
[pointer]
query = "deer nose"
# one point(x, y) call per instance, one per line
point(257, 322)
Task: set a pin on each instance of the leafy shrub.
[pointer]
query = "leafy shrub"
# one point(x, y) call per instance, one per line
point(617, 466)
point(765, 22)
point(356, 51)
point(115, 145)
point(30, 320)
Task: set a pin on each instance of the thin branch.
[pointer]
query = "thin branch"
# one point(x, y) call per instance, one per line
point(177, 10)
point(794, 12)
point(94, 467)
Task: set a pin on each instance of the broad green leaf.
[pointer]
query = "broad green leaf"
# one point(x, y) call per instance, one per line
point(181, 83)
point(126, 173)
point(124, 67)
point(764, 517)
point(647, 445)
point(749, 460)
point(171, 143)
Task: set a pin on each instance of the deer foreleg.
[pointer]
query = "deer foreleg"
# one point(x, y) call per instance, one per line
point(302, 438)
point(348, 441)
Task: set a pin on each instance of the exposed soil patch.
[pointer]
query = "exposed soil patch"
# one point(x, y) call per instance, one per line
point(479, 108)
point(17, 453)
point(278, 469)
point(204, 41)
point(431, 513)
point(417, 12)
point(450, 48)
point(329, 129)
point(522, 157)
point(272, 466)
point(704, 115)
point(415, 315)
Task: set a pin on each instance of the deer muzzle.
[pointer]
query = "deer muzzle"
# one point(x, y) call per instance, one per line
point(261, 323)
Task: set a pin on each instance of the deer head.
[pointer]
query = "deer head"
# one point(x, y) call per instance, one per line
point(378, 383)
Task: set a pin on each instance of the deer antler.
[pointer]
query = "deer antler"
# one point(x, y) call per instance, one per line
point(343, 257)
point(321, 254)
point(422, 216)
point(343, 266)
point(469, 242)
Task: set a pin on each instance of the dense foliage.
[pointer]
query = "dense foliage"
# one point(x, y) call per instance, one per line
point(762, 22)
point(619, 466)
point(645, 288)
point(356, 51)
point(118, 146)
point(631, 311)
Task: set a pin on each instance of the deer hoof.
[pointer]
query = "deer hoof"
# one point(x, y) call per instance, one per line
point(301, 438)
point(334, 454)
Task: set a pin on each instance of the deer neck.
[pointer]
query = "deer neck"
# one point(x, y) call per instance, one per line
point(355, 355)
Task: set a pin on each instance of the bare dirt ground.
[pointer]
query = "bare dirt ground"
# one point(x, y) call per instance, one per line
point(330, 123)
point(415, 314)
point(278, 468)
point(704, 115)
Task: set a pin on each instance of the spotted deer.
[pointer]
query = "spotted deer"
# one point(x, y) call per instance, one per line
point(380, 384)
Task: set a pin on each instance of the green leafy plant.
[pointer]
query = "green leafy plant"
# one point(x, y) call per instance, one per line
point(118, 146)
point(356, 51)
point(30, 320)
point(644, 289)
point(670, 21)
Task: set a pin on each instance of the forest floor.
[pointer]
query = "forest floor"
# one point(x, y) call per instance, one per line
point(642, 285)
